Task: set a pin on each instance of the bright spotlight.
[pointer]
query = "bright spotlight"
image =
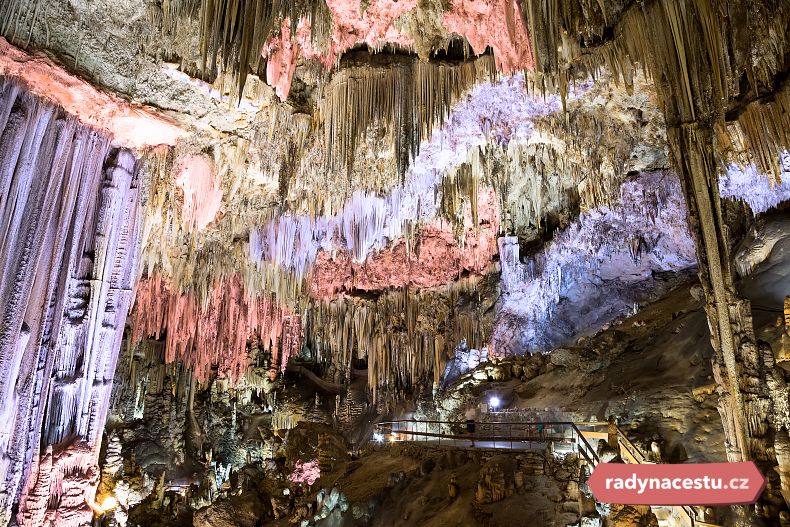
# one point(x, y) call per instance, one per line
point(109, 503)
point(494, 402)
point(377, 437)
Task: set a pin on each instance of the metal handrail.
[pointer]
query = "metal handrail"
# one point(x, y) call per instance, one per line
point(545, 436)
point(640, 459)
point(567, 423)
point(593, 453)
point(530, 432)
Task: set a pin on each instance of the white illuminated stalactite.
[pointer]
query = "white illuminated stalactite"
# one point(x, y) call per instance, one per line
point(68, 214)
point(592, 252)
point(759, 191)
point(368, 221)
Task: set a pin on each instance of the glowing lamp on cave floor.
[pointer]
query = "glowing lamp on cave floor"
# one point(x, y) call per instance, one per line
point(108, 503)
point(494, 402)
point(377, 437)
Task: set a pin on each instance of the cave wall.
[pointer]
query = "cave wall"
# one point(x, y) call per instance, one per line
point(600, 268)
point(69, 250)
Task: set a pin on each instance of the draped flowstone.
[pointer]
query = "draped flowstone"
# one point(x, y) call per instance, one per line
point(68, 251)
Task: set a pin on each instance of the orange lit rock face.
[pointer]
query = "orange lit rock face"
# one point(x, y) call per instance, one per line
point(495, 23)
point(128, 125)
point(214, 335)
point(437, 260)
point(202, 192)
point(69, 478)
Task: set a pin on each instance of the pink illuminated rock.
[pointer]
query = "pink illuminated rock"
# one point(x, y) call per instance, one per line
point(292, 336)
point(375, 26)
point(202, 191)
point(69, 478)
point(129, 125)
point(349, 27)
point(307, 472)
point(281, 53)
point(438, 259)
point(495, 23)
point(214, 335)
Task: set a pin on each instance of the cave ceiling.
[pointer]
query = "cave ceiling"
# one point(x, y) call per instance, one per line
point(378, 185)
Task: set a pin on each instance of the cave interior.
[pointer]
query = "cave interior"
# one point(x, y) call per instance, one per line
point(246, 242)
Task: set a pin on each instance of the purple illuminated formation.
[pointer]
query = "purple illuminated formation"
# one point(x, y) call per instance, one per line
point(500, 112)
point(758, 190)
point(595, 270)
point(68, 256)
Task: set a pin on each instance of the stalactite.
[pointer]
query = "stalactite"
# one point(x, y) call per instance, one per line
point(68, 256)
point(367, 221)
point(629, 238)
point(763, 124)
point(699, 58)
point(497, 24)
point(233, 33)
point(440, 254)
point(406, 95)
point(760, 191)
point(215, 333)
point(405, 335)
point(194, 259)
point(762, 129)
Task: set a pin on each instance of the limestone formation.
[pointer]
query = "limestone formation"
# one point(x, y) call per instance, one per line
point(244, 242)
point(69, 254)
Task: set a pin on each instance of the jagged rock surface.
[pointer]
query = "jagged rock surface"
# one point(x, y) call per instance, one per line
point(68, 259)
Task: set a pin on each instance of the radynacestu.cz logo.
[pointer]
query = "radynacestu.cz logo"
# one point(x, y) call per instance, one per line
point(687, 484)
point(644, 484)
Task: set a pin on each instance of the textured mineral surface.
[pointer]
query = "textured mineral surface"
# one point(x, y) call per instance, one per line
point(263, 261)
